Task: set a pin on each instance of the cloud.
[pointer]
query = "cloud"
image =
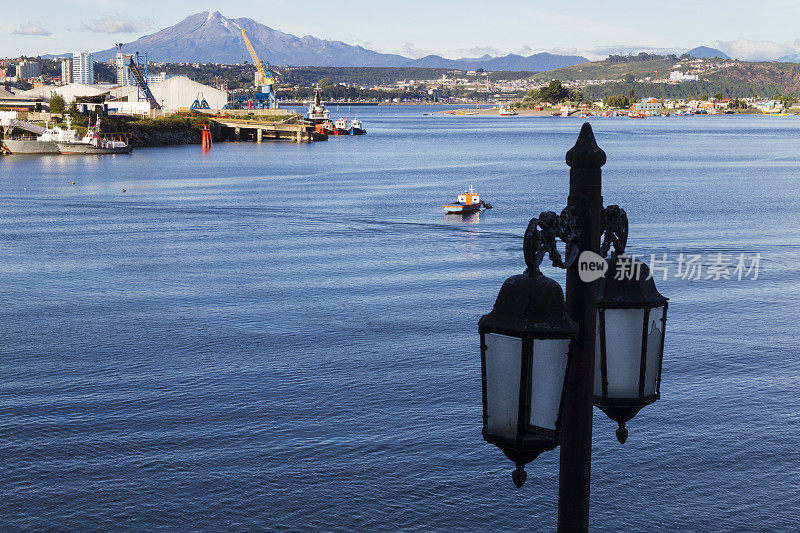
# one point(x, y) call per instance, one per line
point(119, 24)
point(748, 50)
point(31, 29)
point(410, 50)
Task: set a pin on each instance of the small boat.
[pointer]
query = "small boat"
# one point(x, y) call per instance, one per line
point(468, 202)
point(506, 111)
point(340, 127)
point(91, 143)
point(357, 128)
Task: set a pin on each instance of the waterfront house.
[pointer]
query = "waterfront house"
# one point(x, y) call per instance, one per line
point(648, 107)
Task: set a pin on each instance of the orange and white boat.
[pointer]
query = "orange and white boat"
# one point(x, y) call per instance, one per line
point(468, 202)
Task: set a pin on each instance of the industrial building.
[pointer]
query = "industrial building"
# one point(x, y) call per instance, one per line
point(69, 93)
point(174, 94)
point(82, 68)
point(9, 100)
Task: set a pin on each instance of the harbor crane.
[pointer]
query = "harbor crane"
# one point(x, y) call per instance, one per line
point(141, 82)
point(265, 78)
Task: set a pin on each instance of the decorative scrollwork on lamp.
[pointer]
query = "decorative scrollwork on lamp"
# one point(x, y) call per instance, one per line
point(615, 230)
point(542, 234)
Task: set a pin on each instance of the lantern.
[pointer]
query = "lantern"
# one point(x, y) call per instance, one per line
point(631, 318)
point(526, 343)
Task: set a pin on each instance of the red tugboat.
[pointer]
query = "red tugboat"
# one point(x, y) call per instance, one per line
point(468, 202)
point(326, 128)
point(340, 127)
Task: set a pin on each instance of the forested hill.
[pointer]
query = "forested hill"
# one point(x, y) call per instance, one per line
point(649, 75)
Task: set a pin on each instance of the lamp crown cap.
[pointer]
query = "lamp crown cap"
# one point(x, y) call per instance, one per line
point(628, 282)
point(530, 303)
point(586, 153)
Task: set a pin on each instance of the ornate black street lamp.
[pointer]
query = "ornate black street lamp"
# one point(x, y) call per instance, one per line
point(631, 315)
point(526, 343)
point(540, 375)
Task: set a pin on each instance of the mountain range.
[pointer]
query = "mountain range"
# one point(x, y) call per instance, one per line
point(209, 37)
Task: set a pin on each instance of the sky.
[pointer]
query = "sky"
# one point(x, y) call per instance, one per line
point(419, 27)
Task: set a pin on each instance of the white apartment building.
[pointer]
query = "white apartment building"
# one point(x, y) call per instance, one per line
point(82, 68)
point(123, 72)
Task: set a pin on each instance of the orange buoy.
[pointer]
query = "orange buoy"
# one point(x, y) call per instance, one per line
point(206, 139)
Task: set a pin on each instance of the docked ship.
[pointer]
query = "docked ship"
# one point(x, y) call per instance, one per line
point(340, 127)
point(30, 146)
point(91, 143)
point(357, 128)
point(45, 143)
point(316, 110)
point(325, 127)
point(468, 202)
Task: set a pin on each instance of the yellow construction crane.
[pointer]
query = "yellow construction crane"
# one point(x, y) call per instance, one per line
point(263, 78)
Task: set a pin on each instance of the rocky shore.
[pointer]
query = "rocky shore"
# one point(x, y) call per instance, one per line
point(140, 138)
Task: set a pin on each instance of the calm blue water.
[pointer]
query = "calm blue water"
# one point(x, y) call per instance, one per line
point(284, 337)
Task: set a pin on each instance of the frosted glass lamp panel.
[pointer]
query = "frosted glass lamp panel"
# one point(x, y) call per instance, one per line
point(547, 380)
point(623, 351)
point(503, 362)
point(654, 337)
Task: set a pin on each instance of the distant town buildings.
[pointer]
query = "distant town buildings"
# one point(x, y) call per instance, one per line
point(156, 78)
point(82, 68)
point(677, 75)
point(28, 69)
point(66, 71)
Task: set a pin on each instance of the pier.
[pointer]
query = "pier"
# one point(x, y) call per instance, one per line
point(231, 129)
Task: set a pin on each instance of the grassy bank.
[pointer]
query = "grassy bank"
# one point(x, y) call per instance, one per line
point(162, 131)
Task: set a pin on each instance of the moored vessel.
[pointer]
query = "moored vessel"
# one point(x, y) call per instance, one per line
point(340, 127)
point(91, 143)
point(325, 128)
point(45, 143)
point(357, 128)
point(317, 113)
point(30, 146)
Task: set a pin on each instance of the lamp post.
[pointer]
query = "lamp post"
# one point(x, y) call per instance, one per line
point(628, 314)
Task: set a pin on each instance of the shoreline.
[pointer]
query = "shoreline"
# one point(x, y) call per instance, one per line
point(472, 111)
